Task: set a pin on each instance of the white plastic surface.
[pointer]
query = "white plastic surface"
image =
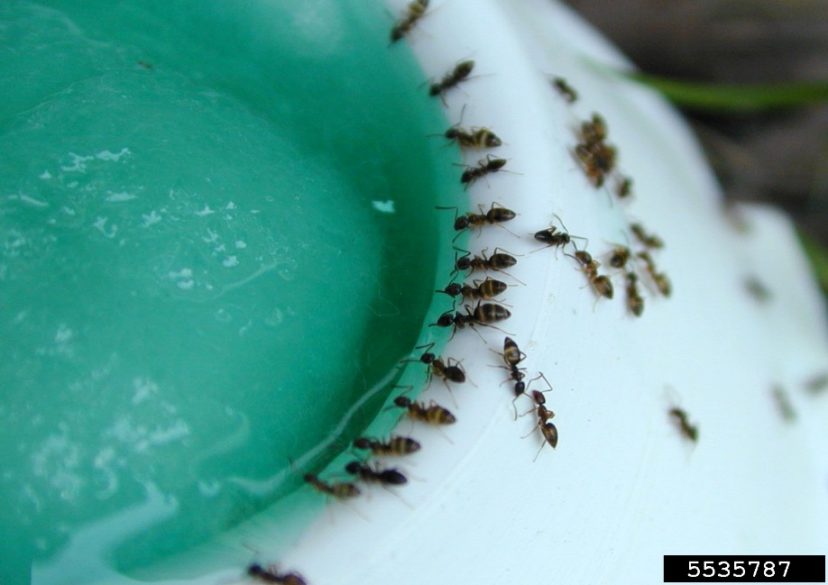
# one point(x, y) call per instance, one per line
point(623, 486)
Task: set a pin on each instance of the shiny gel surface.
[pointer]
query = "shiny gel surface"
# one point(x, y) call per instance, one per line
point(217, 240)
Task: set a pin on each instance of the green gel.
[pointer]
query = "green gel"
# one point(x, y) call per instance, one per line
point(217, 237)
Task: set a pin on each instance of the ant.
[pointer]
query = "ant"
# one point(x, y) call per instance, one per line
point(487, 165)
point(487, 289)
point(415, 11)
point(635, 303)
point(394, 446)
point(432, 413)
point(756, 288)
point(460, 72)
point(270, 575)
point(497, 261)
point(340, 491)
point(649, 240)
point(548, 430)
point(473, 137)
point(375, 474)
point(566, 90)
point(482, 314)
point(690, 432)
point(553, 237)
point(497, 214)
point(623, 188)
point(449, 371)
point(593, 132)
point(512, 356)
point(659, 278)
point(600, 283)
point(619, 257)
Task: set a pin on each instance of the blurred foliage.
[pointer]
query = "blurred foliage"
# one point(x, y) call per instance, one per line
point(818, 255)
point(739, 98)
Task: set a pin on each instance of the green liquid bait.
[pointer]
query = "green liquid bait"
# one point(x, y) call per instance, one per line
point(217, 240)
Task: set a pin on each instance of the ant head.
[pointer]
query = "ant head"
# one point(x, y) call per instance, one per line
point(461, 223)
point(310, 477)
point(362, 443)
point(428, 357)
point(353, 467)
point(445, 320)
point(402, 401)
point(255, 569)
point(454, 289)
point(463, 262)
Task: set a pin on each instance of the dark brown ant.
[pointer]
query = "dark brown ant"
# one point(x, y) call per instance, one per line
point(690, 432)
point(448, 371)
point(650, 241)
point(553, 237)
point(593, 172)
point(619, 257)
point(473, 137)
point(783, 403)
point(340, 491)
point(635, 303)
point(594, 131)
point(414, 12)
point(270, 575)
point(460, 72)
point(566, 90)
point(623, 188)
point(548, 430)
point(659, 278)
point(497, 261)
point(376, 474)
point(600, 283)
point(486, 290)
point(482, 314)
point(432, 413)
point(512, 356)
point(487, 165)
point(757, 289)
point(497, 214)
point(394, 446)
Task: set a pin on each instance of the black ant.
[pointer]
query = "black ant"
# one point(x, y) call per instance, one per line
point(496, 215)
point(432, 413)
point(497, 261)
point(460, 72)
point(553, 237)
point(482, 314)
point(340, 491)
point(566, 90)
point(394, 446)
point(414, 12)
point(449, 371)
point(547, 429)
point(375, 474)
point(690, 432)
point(487, 165)
point(270, 575)
point(486, 290)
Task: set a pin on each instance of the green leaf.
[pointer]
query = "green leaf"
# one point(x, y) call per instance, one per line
point(818, 256)
point(732, 97)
